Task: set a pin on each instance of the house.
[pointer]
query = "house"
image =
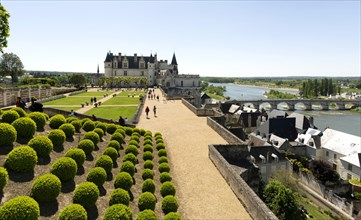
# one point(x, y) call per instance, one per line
point(302, 122)
point(205, 98)
point(312, 140)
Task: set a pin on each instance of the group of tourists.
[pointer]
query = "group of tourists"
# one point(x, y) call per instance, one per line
point(147, 110)
point(152, 95)
point(34, 107)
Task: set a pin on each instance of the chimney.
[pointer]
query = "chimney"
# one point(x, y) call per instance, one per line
point(135, 57)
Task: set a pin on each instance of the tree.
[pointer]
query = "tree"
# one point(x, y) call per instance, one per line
point(77, 79)
point(4, 27)
point(11, 65)
point(323, 171)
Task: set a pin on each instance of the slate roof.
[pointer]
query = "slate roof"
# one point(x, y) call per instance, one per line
point(277, 114)
point(132, 64)
point(233, 109)
point(340, 142)
point(205, 96)
point(302, 122)
point(174, 60)
point(353, 159)
point(282, 127)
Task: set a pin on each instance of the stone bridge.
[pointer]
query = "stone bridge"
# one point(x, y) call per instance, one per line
point(306, 103)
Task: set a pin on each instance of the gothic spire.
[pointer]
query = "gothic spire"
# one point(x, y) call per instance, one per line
point(174, 60)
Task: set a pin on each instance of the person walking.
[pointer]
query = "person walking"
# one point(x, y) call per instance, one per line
point(155, 111)
point(147, 111)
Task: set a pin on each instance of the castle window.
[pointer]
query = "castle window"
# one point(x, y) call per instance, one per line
point(142, 73)
point(125, 65)
point(141, 65)
point(125, 73)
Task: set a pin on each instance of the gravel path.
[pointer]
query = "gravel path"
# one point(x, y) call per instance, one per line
point(201, 190)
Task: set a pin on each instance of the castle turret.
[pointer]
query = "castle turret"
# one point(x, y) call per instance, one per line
point(108, 64)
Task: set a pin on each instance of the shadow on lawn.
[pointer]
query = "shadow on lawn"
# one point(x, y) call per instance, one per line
point(21, 177)
point(48, 209)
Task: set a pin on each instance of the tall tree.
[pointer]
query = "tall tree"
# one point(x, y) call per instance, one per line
point(4, 27)
point(77, 79)
point(11, 65)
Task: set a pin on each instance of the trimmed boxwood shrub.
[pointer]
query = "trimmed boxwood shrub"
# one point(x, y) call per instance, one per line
point(86, 194)
point(121, 131)
point(163, 160)
point(77, 125)
point(111, 128)
point(10, 116)
point(147, 215)
point(146, 200)
point(21, 207)
point(148, 141)
point(159, 141)
point(147, 155)
point(87, 146)
point(73, 212)
point(20, 111)
point(8, 134)
point(97, 175)
point(4, 177)
point(85, 120)
point(21, 159)
point(112, 153)
point(46, 188)
point(134, 138)
point(93, 136)
point(136, 130)
point(25, 127)
point(114, 144)
point(102, 126)
point(100, 132)
point(68, 129)
point(39, 119)
point(148, 164)
point(119, 196)
point(42, 145)
point(142, 131)
point(128, 167)
point(169, 204)
point(128, 131)
point(106, 162)
point(172, 216)
point(65, 168)
point(160, 146)
point(123, 180)
point(57, 136)
point(148, 147)
point(148, 186)
point(133, 142)
point(130, 157)
point(46, 116)
point(70, 119)
point(118, 211)
point(76, 154)
point(167, 188)
point(118, 137)
point(147, 174)
point(162, 153)
point(56, 121)
point(131, 149)
point(157, 134)
point(164, 177)
point(88, 126)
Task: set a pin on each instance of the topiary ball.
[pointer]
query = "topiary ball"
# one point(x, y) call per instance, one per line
point(136, 130)
point(167, 188)
point(159, 141)
point(134, 138)
point(56, 121)
point(112, 153)
point(148, 148)
point(164, 177)
point(20, 111)
point(85, 120)
point(133, 142)
point(130, 157)
point(128, 167)
point(118, 211)
point(70, 119)
point(46, 116)
point(164, 167)
point(169, 204)
point(162, 153)
point(88, 126)
point(102, 126)
point(21, 159)
point(100, 132)
point(10, 116)
point(118, 137)
point(42, 145)
point(160, 146)
point(148, 186)
point(87, 146)
point(73, 212)
point(146, 200)
point(147, 155)
point(121, 131)
point(76, 154)
point(97, 175)
point(148, 142)
point(131, 149)
point(163, 160)
point(25, 127)
point(128, 131)
point(172, 216)
point(21, 207)
point(86, 194)
point(68, 129)
point(123, 180)
point(77, 125)
point(8, 134)
point(148, 164)
point(57, 136)
point(111, 128)
point(46, 188)
point(119, 196)
point(106, 162)
point(147, 215)
point(39, 119)
point(114, 144)
point(93, 136)
point(157, 134)
point(147, 174)
point(4, 177)
point(64, 168)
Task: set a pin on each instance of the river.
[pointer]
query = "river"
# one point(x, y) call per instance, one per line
point(345, 121)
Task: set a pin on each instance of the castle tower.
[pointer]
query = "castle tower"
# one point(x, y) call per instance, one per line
point(108, 65)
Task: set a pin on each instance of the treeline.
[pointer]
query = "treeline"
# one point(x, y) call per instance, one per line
point(323, 87)
point(274, 94)
point(217, 90)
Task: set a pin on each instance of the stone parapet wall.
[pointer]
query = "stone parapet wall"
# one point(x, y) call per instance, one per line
point(198, 111)
point(227, 135)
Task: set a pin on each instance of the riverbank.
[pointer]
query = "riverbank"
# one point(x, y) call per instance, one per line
point(268, 87)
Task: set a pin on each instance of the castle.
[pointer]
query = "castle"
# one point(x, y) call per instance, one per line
point(157, 72)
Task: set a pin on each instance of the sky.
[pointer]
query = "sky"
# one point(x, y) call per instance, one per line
point(209, 38)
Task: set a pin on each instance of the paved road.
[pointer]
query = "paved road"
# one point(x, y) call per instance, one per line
point(201, 190)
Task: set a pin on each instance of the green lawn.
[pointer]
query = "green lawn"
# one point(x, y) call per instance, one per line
point(67, 108)
point(92, 94)
point(122, 101)
point(69, 101)
point(113, 112)
point(136, 93)
point(313, 210)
